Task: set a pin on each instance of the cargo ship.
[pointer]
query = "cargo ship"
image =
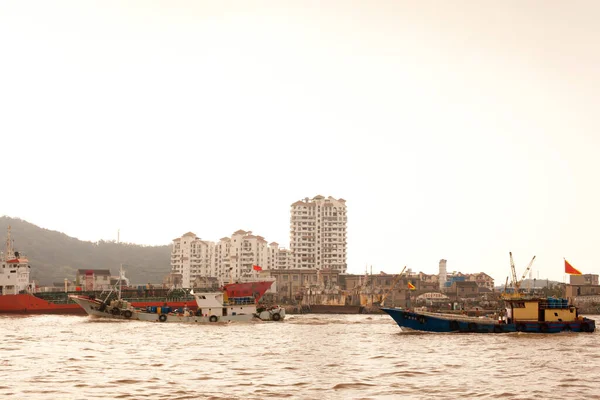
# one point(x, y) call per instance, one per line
point(19, 296)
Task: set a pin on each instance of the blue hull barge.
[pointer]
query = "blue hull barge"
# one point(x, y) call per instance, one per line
point(533, 315)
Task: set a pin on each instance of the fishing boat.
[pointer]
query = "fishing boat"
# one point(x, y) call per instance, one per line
point(533, 315)
point(211, 307)
point(522, 313)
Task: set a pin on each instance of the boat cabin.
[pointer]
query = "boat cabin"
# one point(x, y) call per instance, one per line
point(539, 310)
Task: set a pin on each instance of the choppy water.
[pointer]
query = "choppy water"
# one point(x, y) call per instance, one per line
point(304, 357)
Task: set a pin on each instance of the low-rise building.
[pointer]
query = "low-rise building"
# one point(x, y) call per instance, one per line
point(93, 279)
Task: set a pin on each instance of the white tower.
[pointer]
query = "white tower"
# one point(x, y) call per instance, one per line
point(442, 274)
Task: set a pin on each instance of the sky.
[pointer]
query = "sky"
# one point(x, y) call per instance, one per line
point(455, 130)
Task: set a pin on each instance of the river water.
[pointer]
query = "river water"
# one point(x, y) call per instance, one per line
point(304, 357)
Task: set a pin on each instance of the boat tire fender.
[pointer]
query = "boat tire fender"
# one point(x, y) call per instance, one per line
point(521, 327)
point(276, 316)
point(162, 317)
point(213, 318)
point(127, 314)
point(102, 307)
point(454, 326)
point(585, 327)
point(472, 327)
point(115, 311)
point(544, 328)
point(422, 319)
point(498, 329)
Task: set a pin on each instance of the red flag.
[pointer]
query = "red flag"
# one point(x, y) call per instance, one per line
point(411, 286)
point(257, 268)
point(569, 269)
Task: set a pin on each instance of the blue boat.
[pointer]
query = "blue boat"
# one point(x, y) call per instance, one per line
point(533, 315)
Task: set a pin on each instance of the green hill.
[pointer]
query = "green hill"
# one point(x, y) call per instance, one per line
point(54, 256)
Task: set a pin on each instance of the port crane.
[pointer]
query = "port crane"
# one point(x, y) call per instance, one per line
point(394, 283)
point(516, 283)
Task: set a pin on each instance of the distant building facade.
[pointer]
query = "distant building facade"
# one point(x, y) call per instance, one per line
point(279, 258)
point(318, 234)
point(585, 279)
point(193, 259)
point(93, 279)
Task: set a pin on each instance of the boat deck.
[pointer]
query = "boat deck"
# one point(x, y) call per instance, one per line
point(459, 317)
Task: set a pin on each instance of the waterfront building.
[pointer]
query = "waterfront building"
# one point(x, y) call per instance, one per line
point(278, 257)
point(482, 279)
point(192, 257)
point(585, 279)
point(93, 279)
point(232, 258)
point(241, 253)
point(318, 234)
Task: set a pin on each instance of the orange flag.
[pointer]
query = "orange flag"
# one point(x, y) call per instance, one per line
point(411, 286)
point(569, 269)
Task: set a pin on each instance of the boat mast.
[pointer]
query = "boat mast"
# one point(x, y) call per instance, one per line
point(120, 280)
point(8, 253)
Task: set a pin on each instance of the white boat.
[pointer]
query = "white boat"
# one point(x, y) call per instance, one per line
point(273, 313)
point(212, 307)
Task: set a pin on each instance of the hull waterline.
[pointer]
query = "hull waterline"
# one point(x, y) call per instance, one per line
point(430, 322)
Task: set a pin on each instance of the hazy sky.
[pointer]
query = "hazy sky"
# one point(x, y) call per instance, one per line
point(454, 129)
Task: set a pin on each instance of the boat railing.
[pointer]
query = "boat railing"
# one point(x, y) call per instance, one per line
point(241, 301)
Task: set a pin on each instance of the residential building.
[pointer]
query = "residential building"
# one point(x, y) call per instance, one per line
point(193, 259)
point(278, 257)
point(483, 280)
point(318, 234)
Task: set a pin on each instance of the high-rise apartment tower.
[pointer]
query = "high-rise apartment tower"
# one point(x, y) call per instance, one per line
point(318, 233)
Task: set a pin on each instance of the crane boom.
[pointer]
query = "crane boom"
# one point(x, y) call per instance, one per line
point(394, 283)
point(518, 284)
point(512, 270)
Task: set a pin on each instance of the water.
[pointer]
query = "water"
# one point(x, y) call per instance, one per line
point(304, 357)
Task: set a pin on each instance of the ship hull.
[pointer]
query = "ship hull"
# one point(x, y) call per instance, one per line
point(30, 304)
point(94, 308)
point(334, 309)
point(450, 323)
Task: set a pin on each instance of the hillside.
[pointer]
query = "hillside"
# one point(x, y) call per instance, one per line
point(54, 256)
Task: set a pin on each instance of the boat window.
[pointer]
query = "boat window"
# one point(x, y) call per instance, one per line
point(518, 304)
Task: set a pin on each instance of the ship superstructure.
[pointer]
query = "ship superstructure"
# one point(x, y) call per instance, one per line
point(14, 270)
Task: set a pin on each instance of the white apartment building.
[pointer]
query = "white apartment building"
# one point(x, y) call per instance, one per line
point(237, 255)
point(232, 257)
point(279, 258)
point(318, 233)
point(192, 257)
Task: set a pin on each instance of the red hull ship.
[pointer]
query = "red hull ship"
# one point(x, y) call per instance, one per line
point(17, 293)
point(59, 302)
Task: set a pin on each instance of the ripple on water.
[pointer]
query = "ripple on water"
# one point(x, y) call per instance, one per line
point(306, 357)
